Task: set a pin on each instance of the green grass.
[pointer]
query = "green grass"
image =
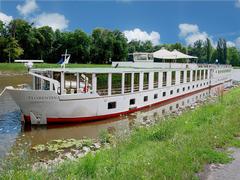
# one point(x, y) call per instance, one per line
point(20, 68)
point(176, 148)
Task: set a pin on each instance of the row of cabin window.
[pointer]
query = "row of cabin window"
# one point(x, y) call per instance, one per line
point(196, 75)
point(112, 105)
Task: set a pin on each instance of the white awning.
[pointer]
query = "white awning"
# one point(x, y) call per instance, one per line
point(179, 55)
point(163, 54)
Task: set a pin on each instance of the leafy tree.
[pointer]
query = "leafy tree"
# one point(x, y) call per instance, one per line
point(21, 31)
point(222, 51)
point(198, 50)
point(208, 49)
point(120, 50)
point(13, 49)
point(79, 46)
point(233, 56)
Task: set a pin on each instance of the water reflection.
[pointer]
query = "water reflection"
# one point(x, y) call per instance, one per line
point(13, 133)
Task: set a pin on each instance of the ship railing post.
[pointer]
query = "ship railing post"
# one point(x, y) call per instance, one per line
point(150, 80)
point(94, 83)
point(78, 83)
point(62, 82)
point(132, 82)
point(160, 79)
point(123, 83)
point(191, 74)
point(34, 83)
point(109, 84)
point(141, 81)
point(177, 77)
point(185, 77)
point(169, 78)
point(196, 70)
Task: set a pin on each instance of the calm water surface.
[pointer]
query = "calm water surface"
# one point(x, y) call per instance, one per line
point(13, 134)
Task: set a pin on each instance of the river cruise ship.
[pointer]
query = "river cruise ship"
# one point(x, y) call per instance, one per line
point(69, 95)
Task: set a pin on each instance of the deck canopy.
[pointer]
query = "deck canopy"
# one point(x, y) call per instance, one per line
point(165, 54)
point(179, 55)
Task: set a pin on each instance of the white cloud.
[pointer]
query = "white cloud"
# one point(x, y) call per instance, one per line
point(192, 38)
point(230, 44)
point(237, 3)
point(5, 18)
point(27, 8)
point(237, 42)
point(139, 35)
point(186, 29)
point(191, 34)
point(54, 20)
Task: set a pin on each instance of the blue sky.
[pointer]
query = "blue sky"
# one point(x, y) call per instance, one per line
point(158, 21)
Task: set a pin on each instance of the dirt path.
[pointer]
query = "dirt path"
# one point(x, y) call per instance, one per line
point(229, 171)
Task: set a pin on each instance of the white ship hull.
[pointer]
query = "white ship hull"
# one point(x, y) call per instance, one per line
point(43, 107)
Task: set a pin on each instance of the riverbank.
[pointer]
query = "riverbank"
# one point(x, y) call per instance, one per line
point(19, 68)
point(176, 148)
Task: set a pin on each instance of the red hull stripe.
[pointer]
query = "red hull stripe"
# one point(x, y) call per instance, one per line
point(101, 117)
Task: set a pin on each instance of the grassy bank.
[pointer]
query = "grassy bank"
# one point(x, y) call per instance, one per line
point(20, 68)
point(176, 148)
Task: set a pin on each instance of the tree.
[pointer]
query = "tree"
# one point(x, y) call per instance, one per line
point(79, 46)
point(13, 49)
point(120, 49)
point(21, 31)
point(198, 50)
point(208, 49)
point(222, 51)
point(233, 56)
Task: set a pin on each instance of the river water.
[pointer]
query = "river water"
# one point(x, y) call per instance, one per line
point(14, 134)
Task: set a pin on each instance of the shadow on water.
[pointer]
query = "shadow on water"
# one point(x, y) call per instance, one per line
point(13, 134)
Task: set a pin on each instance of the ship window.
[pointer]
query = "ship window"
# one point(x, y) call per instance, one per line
point(155, 96)
point(70, 83)
point(188, 76)
point(198, 74)
point(177, 90)
point(171, 92)
point(145, 98)
point(164, 80)
point(181, 76)
point(111, 105)
point(116, 83)
point(136, 82)
point(206, 74)
point(128, 82)
point(202, 74)
point(132, 101)
point(163, 111)
point(183, 89)
point(155, 85)
point(145, 81)
point(164, 94)
point(102, 85)
point(194, 75)
point(173, 77)
point(188, 87)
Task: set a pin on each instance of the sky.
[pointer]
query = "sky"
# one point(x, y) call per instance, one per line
point(159, 21)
